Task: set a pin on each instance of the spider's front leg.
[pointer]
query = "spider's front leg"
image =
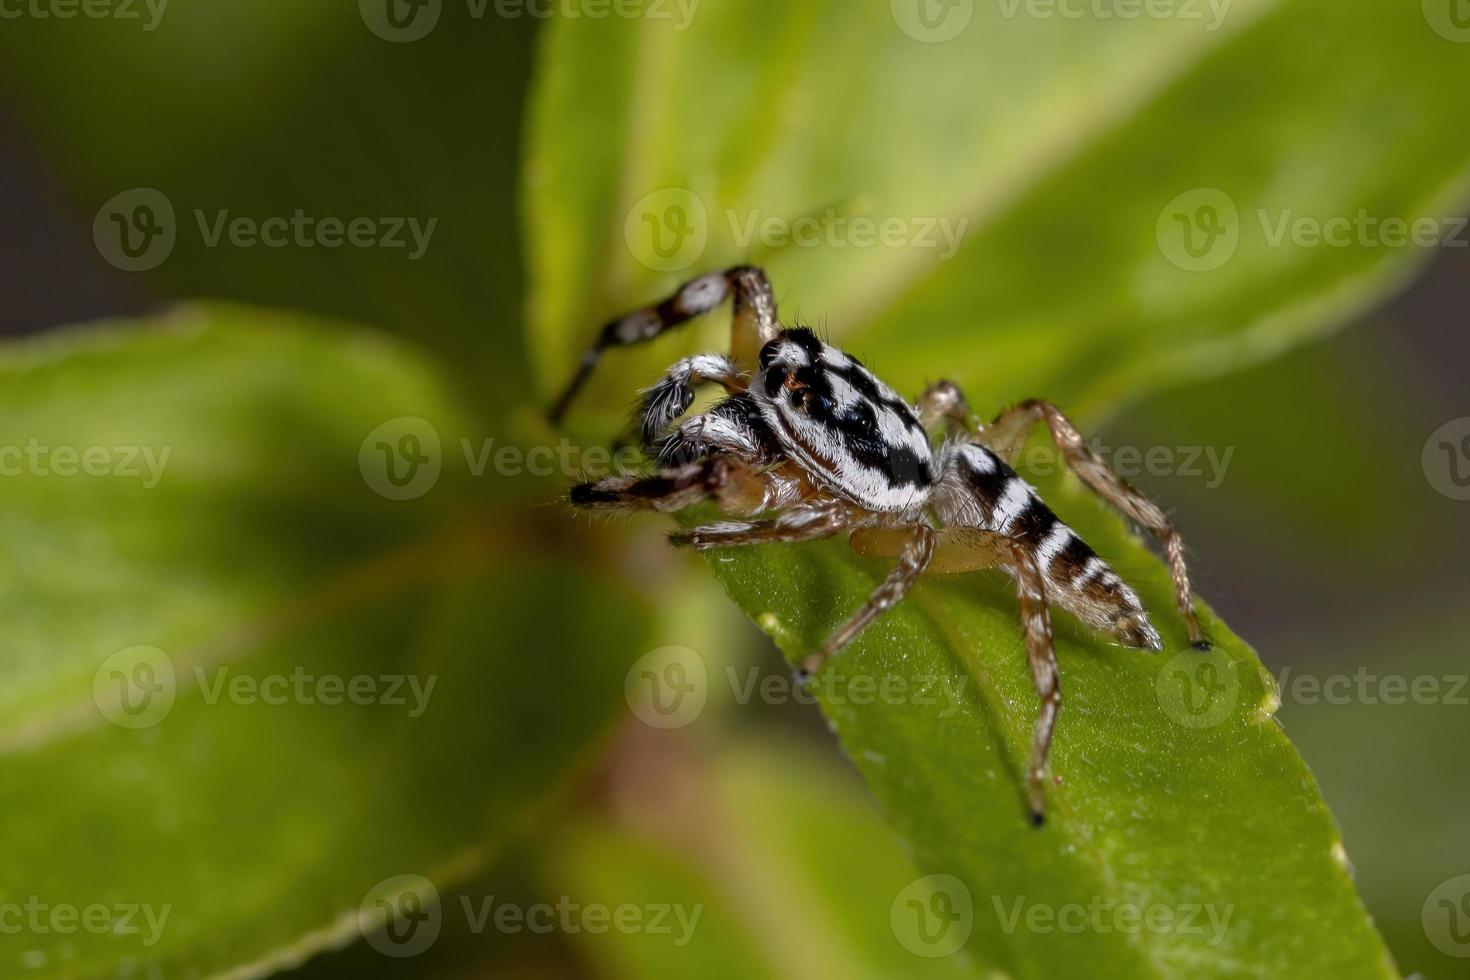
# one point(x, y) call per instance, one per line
point(1007, 434)
point(674, 393)
point(755, 322)
point(736, 485)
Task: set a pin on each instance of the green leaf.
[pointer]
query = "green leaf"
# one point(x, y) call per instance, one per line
point(1060, 145)
point(1175, 793)
point(237, 777)
point(1069, 150)
point(781, 864)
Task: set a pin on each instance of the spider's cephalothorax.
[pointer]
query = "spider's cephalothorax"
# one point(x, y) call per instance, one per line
point(817, 444)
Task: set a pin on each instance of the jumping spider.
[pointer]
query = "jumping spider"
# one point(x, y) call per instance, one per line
point(812, 437)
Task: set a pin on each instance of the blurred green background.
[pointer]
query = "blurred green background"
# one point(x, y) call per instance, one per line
point(1324, 538)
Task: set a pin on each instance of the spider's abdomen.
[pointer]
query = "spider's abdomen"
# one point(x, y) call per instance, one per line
point(980, 490)
point(844, 426)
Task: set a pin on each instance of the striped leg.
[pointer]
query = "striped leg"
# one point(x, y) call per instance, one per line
point(674, 393)
point(755, 322)
point(964, 549)
point(1007, 434)
point(729, 481)
point(944, 402)
point(1042, 656)
point(977, 491)
point(801, 523)
point(917, 547)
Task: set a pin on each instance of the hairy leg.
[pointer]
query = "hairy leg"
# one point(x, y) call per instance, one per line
point(806, 522)
point(961, 549)
point(916, 549)
point(674, 393)
point(755, 322)
point(1007, 434)
point(943, 402)
point(729, 481)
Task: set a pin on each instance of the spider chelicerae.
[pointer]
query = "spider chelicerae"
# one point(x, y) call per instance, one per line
point(816, 444)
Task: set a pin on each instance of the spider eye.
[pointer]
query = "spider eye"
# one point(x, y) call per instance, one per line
point(813, 403)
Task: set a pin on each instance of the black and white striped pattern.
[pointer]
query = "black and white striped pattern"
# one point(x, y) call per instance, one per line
point(978, 489)
point(847, 428)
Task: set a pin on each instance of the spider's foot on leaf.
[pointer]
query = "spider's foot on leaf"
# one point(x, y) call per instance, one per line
point(808, 670)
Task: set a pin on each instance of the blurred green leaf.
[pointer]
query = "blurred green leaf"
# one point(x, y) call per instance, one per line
point(1061, 147)
point(1175, 793)
point(254, 109)
point(1382, 718)
point(780, 867)
point(340, 688)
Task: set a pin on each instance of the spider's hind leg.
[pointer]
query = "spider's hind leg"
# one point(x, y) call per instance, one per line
point(963, 549)
point(1007, 434)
